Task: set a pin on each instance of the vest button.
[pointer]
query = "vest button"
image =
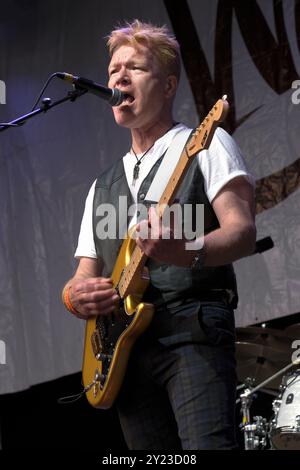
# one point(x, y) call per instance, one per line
point(142, 196)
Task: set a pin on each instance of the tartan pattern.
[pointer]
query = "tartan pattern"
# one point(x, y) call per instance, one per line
point(179, 390)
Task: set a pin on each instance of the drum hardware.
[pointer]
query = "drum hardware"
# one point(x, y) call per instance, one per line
point(269, 392)
point(248, 384)
point(262, 355)
point(256, 434)
point(285, 424)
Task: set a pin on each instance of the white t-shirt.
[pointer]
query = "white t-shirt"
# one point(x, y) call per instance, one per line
point(220, 163)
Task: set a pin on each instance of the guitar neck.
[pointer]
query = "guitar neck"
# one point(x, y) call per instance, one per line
point(187, 155)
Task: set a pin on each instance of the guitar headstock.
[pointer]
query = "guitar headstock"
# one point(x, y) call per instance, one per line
point(202, 136)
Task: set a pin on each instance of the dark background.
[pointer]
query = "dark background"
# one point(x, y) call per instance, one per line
point(34, 420)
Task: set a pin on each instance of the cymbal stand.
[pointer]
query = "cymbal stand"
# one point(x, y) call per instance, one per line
point(246, 400)
point(254, 433)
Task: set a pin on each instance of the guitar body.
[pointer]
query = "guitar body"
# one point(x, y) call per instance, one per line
point(108, 340)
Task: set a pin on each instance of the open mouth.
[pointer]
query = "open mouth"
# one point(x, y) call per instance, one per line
point(128, 98)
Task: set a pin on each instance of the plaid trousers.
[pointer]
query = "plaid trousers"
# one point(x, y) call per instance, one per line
point(180, 384)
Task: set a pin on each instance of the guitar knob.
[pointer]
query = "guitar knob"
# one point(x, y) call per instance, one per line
point(98, 382)
point(99, 378)
point(104, 357)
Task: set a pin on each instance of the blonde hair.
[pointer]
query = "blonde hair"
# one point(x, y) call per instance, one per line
point(156, 38)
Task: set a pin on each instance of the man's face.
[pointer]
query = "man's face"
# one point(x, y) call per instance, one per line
point(136, 72)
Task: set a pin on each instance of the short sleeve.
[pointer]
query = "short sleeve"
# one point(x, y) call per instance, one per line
point(222, 162)
point(86, 245)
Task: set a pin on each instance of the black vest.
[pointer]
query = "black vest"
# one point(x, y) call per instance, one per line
point(168, 282)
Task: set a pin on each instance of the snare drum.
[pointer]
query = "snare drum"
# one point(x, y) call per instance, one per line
point(285, 426)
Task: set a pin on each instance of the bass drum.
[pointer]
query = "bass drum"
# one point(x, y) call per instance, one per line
point(285, 426)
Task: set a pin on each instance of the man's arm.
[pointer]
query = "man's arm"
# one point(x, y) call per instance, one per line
point(87, 267)
point(234, 208)
point(89, 293)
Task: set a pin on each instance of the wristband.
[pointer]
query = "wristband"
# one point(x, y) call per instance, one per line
point(66, 300)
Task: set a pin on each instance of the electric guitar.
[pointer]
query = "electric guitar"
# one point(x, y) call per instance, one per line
point(109, 340)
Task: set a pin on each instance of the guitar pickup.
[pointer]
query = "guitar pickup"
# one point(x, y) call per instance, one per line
point(96, 341)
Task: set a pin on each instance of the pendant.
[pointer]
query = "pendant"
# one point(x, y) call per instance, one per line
point(136, 171)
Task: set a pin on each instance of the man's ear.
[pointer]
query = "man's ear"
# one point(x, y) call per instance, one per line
point(171, 86)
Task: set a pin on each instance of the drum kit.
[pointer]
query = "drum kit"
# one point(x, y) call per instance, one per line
point(268, 361)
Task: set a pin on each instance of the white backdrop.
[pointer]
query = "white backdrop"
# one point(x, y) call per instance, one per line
point(47, 166)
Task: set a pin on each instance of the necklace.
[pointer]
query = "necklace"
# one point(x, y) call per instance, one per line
point(136, 169)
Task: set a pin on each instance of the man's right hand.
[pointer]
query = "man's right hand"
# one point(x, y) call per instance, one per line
point(93, 296)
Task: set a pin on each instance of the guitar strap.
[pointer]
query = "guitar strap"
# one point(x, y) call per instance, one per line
point(167, 166)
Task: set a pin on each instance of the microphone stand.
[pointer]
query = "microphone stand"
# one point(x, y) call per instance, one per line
point(46, 105)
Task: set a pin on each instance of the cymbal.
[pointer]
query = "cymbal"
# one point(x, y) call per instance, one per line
point(271, 337)
point(250, 350)
point(260, 362)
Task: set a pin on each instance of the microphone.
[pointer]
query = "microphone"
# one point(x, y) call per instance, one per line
point(112, 95)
